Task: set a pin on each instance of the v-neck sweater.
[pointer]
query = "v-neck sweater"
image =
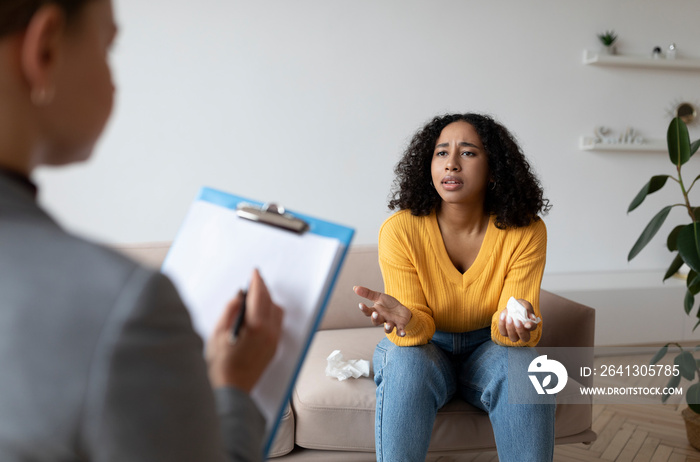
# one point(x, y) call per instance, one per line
point(418, 272)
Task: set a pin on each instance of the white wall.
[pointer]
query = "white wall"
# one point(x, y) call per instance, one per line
point(310, 103)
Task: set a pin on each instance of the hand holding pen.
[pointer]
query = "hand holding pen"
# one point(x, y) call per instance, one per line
point(241, 363)
point(240, 317)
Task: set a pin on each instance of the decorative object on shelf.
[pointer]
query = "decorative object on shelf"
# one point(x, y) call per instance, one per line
point(686, 110)
point(684, 241)
point(630, 136)
point(629, 140)
point(671, 53)
point(656, 53)
point(608, 40)
point(587, 143)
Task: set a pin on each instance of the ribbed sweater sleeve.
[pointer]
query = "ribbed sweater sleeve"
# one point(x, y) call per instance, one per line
point(401, 281)
point(523, 280)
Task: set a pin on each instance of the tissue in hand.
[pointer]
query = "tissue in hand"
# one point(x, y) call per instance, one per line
point(342, 369)
point(517, 311)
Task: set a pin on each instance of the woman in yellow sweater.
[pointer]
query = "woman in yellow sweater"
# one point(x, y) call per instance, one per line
point(466, 238)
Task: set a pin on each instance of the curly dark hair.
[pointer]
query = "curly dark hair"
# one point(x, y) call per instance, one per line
point(16, 14)
point(515, 197)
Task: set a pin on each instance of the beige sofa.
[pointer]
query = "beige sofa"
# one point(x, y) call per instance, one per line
point(330, 420)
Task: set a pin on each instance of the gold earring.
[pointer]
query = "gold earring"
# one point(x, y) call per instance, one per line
point(41, 97)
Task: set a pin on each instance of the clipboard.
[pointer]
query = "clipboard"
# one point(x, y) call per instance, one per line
point(221, 240)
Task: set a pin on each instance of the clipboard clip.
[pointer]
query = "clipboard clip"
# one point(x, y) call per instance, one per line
point(273, 215)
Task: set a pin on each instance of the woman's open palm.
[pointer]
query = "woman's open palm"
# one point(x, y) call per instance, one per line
point(386, 310)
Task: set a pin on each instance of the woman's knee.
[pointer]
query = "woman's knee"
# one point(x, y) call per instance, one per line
point(414, 370)
point(499, 373)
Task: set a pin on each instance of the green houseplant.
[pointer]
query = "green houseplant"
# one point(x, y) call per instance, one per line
point(608, 40)
point(684, 242)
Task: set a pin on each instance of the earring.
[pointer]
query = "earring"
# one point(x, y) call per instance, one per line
point(493, 185)
point(41, 97)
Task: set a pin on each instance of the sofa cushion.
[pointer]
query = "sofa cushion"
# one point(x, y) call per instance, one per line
point(335, 415)
point(284, 438)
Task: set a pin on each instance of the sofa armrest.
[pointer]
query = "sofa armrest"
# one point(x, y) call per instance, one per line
point(568, 333)
point(150, 254)
point(566, 323)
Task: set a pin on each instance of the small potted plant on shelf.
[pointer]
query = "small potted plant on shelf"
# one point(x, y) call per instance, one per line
point(684, 242)
point(608, 40)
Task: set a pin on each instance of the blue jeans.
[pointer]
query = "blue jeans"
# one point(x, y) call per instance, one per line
point(414, 382)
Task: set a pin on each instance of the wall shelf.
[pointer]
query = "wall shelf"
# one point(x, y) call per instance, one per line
point(597, 59)
point(587, 143)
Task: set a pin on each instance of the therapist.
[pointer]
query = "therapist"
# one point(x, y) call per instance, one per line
point(99, 358)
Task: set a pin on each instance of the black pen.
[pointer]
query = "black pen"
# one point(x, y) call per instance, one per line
point(239, 318)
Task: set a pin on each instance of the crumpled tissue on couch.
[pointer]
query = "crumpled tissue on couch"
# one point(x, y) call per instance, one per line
point(342, 368)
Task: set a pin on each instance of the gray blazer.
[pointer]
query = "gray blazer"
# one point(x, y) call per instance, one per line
point(98, 358)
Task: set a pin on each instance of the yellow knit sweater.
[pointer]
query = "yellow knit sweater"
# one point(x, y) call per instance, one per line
point(419, 273)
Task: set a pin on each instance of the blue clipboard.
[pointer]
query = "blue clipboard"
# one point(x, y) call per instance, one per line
point(222, 239)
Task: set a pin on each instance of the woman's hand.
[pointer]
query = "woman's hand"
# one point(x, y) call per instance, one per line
point(386, 310)
point(241, 363)
point(514, 329)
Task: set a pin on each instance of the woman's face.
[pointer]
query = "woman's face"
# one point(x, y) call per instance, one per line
point(460, 168)
point(84, 91)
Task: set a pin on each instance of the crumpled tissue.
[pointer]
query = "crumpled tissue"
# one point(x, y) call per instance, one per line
point(342, 368)
point(517, 311)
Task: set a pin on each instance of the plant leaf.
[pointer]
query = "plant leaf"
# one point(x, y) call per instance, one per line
point(693, 282)
point(694, 147)
point(688, 301)
point(659, 354)
point(678, 142)
point(687, 242)
point(672, 383)
point(655, 183)
point(649, 232)
point(686, 364)
point(675, 266)
point(672, 241)
point(693, 285)
point(692, 397)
